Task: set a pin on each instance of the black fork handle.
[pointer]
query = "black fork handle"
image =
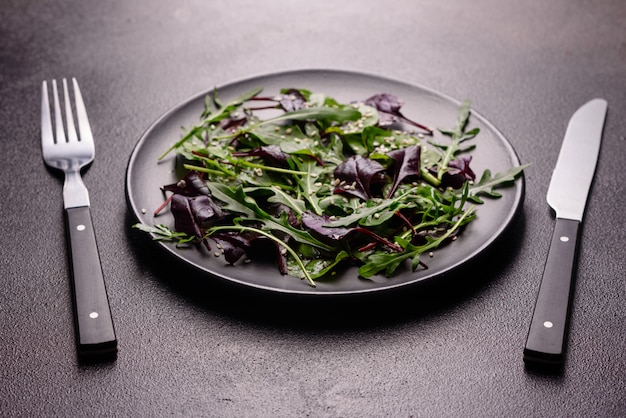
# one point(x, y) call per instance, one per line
point(92, 314)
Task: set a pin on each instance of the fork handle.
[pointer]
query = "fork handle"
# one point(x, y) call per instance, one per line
point(94, 325)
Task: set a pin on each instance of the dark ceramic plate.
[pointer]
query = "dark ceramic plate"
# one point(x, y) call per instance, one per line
point(146, 175)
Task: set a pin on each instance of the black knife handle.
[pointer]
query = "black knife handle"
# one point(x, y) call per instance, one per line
point(546, 339)
point(94, 325)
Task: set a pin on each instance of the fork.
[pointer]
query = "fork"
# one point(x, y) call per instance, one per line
point(95, 333)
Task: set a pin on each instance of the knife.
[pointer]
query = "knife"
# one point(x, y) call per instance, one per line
point(567, 196)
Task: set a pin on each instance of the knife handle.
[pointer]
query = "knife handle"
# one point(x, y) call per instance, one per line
point(94, 325)
point(545, 344)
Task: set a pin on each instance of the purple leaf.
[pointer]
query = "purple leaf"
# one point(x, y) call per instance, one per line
point(235, 244)
point(184, 217)
point(458, 173)
point(292, 100)
point(388, 106)
point(233, 122)
point(193, 213)
point(271, 154)
point(406, 165)
point(315, 224)
point(357, 176)
point(190, 185)
point(205, 210)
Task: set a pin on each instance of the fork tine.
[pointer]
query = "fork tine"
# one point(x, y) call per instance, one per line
point(81, 115)
point(69, 117)
point(47, 136)
point(58, 119)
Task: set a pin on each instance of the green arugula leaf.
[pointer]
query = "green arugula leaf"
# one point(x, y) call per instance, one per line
point(488, 183)
point(371, 211)
point(389, 262)
point(271, 134)
point(281, 196)
point(324, 113)
point(318, 268)
point(309, 184)
point(236, 200)
point(162, 232)
point(458, 135)
point(212, 117)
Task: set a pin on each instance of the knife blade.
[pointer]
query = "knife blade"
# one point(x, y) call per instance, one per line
point(567, 196)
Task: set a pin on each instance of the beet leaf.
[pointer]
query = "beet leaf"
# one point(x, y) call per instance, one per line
point(406, 166)
point(388, 106)
point(357, 175)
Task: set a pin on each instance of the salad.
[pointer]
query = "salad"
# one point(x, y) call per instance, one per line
point(317, 185)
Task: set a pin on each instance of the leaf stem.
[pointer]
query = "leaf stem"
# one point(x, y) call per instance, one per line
point(270, 236)
point(426, 175)
point(267, 167)
point(207, 170)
